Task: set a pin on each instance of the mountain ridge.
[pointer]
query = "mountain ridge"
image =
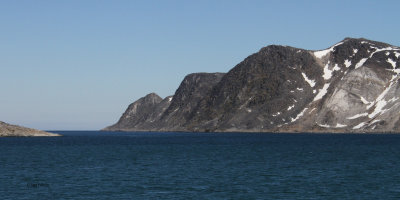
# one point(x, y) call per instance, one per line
point(348, 87)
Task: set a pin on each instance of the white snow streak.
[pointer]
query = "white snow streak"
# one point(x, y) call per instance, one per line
point(364, 100)
point(328, 73)
point(397, 54)
point(324, 125)
point(378, 108)
point(311, 110)
point(299, 115)
point(322, 53)
point(347, 63)
point(359, 126)
point(340, 125)
point(290, 107)
point(276, 114)
point(377, 120)
point(361, 63)
point(309, 81)
point(355, 51)
point(358, 116)
point(322, 92)
point(379, 50)
point(393, 99)
point(392, 62)
point(327, 126)
point(380, 102)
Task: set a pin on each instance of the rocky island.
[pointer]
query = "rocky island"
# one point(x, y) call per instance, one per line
point(351, 86)
point(8, 130)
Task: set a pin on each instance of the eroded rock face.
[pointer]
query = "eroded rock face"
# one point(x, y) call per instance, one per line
point(141, 114)
point(349, 87)
point(9, 130)
point(151, 113)
point(186, 99)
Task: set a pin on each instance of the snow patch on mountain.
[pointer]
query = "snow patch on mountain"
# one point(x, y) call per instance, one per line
point(309, 81)
point(322, 92)
point(392, 62)
point(323, 53)
point(276, 114)
point(340, 125)
point(364, 101)
point(359, 125)
point(358, 116)
point(347, 63)
point(328, 72)
point(299, 115)
point(324, 125)
point(361, 63)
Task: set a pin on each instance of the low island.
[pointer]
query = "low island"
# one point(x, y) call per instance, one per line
point(9, 130)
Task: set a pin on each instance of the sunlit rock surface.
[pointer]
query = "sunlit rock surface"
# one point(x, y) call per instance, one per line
point(351, 86)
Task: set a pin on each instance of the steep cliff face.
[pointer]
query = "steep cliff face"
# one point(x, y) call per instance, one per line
point(265, 84)
point(349, 87)
point(186, 98)
point(9, 130)
point(151, 113)
point(142, 114)
point(361, 81)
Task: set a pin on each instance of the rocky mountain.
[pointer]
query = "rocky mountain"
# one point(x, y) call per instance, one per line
point(142, 114)
point(154, 113)
point(350, 87)
point(8, 130)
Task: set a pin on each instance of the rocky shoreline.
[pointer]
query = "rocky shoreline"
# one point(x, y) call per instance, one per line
point(9, 130)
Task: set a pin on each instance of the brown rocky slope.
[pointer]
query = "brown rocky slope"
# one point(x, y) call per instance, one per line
point(8, 130)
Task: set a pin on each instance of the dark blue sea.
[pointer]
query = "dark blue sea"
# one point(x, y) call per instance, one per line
point(116, 165)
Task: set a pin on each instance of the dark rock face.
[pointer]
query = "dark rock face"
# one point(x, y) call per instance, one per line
point(264, 83)
point(151, 113)
point(349, 87)
point(9, 130)
point(141, 114)
point(193, 88)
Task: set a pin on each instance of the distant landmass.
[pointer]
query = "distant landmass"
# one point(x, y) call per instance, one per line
point(350, 87)
point(8, 130)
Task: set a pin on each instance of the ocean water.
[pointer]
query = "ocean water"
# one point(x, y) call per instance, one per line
point(116, 165)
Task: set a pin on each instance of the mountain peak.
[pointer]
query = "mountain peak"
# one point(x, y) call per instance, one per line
point(152, 95)
point(351, 86)
point(366, 41)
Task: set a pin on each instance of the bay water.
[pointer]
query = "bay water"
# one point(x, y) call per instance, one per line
point(121, 165)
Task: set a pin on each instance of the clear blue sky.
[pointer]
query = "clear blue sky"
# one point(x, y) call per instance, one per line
point(77, 65)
